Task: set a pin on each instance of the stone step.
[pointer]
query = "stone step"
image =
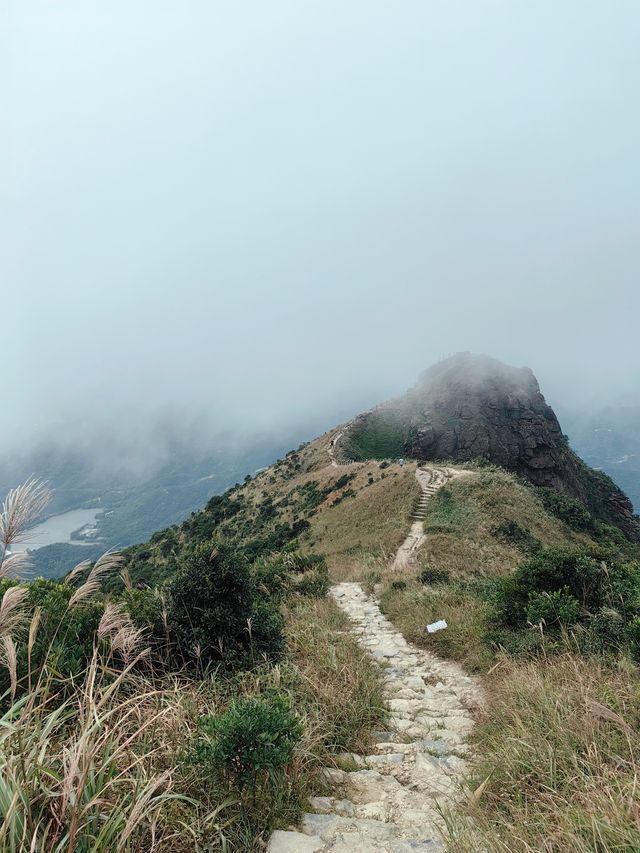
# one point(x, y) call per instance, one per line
point(392, 804)
point(294, 842)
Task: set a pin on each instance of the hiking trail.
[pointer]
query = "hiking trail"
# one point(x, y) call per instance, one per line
point(391, 802)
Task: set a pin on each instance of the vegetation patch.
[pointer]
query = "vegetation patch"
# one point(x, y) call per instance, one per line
point(558, 763)
point(378, 435)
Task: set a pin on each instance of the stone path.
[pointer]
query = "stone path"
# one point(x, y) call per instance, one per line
point(331, 448)
point(390, 801)
point(430, 480)
point(333, 443)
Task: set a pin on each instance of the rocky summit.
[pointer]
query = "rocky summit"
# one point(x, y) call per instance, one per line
point(471, 407)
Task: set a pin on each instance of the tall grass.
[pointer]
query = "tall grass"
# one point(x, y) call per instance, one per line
point(98, 761)
point(338, 685)
point(559, 766)
point(70, 776)
point(21, 507)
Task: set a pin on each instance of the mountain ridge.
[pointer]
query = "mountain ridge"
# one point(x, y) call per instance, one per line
point(470, 407)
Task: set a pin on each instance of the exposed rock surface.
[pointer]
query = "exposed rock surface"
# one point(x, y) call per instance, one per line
point(470, 406)
point(391, 801)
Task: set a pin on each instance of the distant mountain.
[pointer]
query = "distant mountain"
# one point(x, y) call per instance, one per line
point(136, 501)
point(609, 439)
point(474, 407)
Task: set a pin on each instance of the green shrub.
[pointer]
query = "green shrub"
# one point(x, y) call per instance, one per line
point(291, 573)
point(398, 585)
point(431, 575)
point(145, 607)
point(272, 577)
point(65, 636)
point(571, 511)
point(254, 738)
point(215, 611)
point(562, 588)
point(313, 584)
point(554, 609)
point(604, 632)
point(266, 633)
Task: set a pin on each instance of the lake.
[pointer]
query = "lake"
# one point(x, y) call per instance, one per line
point(58, 528)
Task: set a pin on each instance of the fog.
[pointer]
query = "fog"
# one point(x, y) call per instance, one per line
point(269, 216)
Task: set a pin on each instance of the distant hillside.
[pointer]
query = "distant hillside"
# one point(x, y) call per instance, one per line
point(133, 502)
point(609, 439)
point(356, 515)
point(474, 407)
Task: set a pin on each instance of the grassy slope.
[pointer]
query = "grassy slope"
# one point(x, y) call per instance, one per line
point(356, 515)
point(379, 435)
point(464, 519)
point(367, 529)
point(366, 526)
point(558, 760)
point(558, 743)
point(464, 527)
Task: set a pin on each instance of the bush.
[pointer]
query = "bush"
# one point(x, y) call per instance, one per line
point(563, 587)
point(291, 573)
point(215, 612)
point(553, 609)
point(431, 575)
point(253, 739)
point(605, 631)
point(272, 577)
point(266, 632)
point(398, 585)
point(571, 511)
point(632, 637)
point(145, 608)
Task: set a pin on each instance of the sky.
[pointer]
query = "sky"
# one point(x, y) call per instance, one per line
point(277, 213)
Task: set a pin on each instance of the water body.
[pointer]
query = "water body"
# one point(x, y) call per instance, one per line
point(58, 528)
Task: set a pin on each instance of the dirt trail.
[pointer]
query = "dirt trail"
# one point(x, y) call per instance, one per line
point(331, 448)
point(392, 801)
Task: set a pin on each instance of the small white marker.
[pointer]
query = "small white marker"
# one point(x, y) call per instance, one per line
point(436, 626)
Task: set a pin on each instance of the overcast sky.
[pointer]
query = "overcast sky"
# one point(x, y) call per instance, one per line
point(283, 211)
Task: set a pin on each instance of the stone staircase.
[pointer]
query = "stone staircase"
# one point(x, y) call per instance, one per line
point(430, 480)
point(391, 801)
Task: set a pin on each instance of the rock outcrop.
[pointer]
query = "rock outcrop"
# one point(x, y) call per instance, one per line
point(471, 407)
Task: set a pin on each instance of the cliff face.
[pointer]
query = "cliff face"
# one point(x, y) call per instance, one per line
point(472, 406)
point(469, 407)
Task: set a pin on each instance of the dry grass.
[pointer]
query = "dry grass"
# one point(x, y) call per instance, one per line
point(20, 509)
point(70, 775)
point(335, 690)
point(105, 769)
point(366, 530)
point(338, 683)
point(462, 519)
point(411, 609)
point(559, 766)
